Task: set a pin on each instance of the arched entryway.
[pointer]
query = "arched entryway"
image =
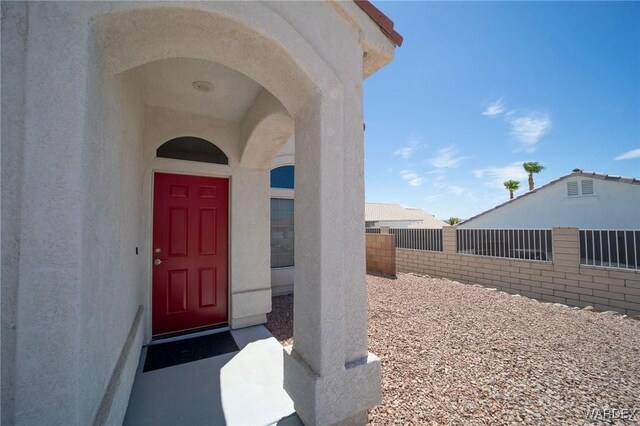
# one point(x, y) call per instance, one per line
point(100, 90)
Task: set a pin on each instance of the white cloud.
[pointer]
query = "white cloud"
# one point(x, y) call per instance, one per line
point(629, 155)
point(412, 178)
point(497, 175)
point(452, 188)
point(456, 189)
point(529, 128)
point(432, 198)
point(494, 108)
point(447, 159)
point(407, 151)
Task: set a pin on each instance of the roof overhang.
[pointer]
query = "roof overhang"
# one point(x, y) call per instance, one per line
point(386, 24)
point(378, 38)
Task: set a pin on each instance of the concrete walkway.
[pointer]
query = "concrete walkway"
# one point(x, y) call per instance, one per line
point(238, 388)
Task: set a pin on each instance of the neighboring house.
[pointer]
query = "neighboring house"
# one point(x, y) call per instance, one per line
point(137, 144)
point(398, 216)
point(585, 200)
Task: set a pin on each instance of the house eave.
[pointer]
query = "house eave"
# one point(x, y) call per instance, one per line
point(575, 173)
point(377, 44)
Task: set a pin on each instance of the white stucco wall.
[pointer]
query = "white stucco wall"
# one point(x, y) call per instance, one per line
point(111, 269)
point(14, 39)
point(613, 206)
point(287, 154)
point(49, 284)
point(82, 190)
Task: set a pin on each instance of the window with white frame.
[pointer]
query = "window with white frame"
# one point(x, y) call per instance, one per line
point(281, 232)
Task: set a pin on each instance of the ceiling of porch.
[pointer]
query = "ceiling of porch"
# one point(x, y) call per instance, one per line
point(169, 83)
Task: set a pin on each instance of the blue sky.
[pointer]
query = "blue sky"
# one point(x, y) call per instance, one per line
point(479, 88)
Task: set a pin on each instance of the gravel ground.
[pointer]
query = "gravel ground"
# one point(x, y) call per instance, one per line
point(458, 354)
point(280, 320)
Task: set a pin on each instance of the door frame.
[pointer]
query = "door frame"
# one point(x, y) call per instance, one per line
point(180, 167)
point(152, 256)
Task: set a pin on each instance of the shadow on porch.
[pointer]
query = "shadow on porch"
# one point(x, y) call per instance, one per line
point(237, 388)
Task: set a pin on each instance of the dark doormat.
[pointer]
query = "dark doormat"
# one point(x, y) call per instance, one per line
point(169, 354)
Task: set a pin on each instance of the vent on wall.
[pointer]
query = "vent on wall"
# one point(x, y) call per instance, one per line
point(587, 187)
point(572, 189)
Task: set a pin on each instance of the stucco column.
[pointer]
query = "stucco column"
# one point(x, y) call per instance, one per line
point(50, 271)
point(14, 43)
point(328, 372)
point(250, 247)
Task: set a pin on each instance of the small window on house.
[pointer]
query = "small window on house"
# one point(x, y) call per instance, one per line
point(281, 233)
point(282, 177)
point(587, 187)
point(572, 189)
point(192, 149)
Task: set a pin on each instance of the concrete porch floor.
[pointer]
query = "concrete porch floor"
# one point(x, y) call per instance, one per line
point(238, 388)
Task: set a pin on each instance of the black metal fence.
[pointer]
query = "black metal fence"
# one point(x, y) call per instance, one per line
point(418, 239)
point(598, 247)
point(610, 248)
point(414, 238)
point(528, 244)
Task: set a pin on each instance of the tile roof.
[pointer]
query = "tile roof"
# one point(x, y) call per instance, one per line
point(376, 212)
point(574, 173)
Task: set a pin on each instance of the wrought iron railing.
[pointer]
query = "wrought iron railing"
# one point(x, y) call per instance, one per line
point(528, 244)
point(418, 238)
point(610, 248)
point(414, 238)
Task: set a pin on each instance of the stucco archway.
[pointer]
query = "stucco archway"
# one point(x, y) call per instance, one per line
point(265, 129)
point(329, 336)
point(128, 39)
point(82, 185)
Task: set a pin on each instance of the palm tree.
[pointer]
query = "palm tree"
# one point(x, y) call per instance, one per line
point(453, 221)
point(531, 168)
point(511, 185)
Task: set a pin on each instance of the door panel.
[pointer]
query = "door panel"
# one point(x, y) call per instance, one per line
point(190, 230)
point(178, 231)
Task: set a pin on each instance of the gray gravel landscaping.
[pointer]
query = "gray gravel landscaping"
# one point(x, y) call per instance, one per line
point(461, 354)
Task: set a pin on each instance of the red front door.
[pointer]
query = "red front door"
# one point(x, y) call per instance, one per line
point(190, 227)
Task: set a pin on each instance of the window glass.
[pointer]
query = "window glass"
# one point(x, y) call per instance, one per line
point(192, 149)
point(282, 177)
point(281, 232)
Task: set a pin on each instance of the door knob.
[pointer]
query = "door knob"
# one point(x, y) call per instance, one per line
point(159, 261)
